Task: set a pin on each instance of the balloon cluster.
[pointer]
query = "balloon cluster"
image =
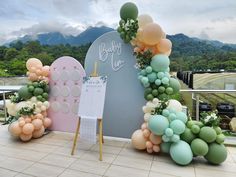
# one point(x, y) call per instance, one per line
point(156, 79)
point(166, 128)
point(36, 70)
point(29, 106)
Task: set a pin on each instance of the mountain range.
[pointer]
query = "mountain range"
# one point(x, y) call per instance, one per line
point(190, 44)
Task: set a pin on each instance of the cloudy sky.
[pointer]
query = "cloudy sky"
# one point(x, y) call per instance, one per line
point(207, 19)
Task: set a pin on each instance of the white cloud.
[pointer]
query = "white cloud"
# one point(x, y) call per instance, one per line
point(215, 19)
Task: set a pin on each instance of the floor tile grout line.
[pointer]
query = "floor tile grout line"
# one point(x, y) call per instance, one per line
point(151, 166)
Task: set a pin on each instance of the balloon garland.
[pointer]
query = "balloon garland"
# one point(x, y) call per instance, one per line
point(28, 107)
point(166, 128)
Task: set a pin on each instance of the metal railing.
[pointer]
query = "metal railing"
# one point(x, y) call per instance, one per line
point(195, 96)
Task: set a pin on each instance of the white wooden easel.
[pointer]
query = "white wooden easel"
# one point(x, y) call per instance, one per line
point(101, 140)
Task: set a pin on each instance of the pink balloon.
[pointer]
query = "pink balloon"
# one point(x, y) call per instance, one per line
point(39, 133)
point(39, 72)
point(33, 62)
point(149, 144)
point(33, 77)
point(152, 33)
point(155, 139)
point(38, 123)
point(47, 122)
point(144, 126)
point(45, 71)
point(164, 45)
point(150, 150)
point(156, 148)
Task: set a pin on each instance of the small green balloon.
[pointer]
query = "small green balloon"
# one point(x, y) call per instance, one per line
point(160, 75)
point(129, 11)
point(195, 129)
point(122, 35)
point(169, 91)
point(149, 69)
point(24, 93)
point(217, 153)
point(175, 85)
point(169, 132)
point(188, 135)
point(165, 80)
point(163, 96)
point(119, 29)
point(143, 72)
point(152, 77)
point(161, 89)
point(208, 134)
point(190, 123)
point(175, 138)
point(149, 97)
point(218, 130)
point(158, 82)
point(165, 112)
point(220, 138)
point(199, 147)
point(144, 80)
point(165, 138)
point(172, 116)
point(155, 92)
point(31, 88)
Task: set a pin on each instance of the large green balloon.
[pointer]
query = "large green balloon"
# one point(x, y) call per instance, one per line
point(160, 62)
point(177, 126)
point(187, 136)
point(165, 147)
point(174, 84)
point(208, 134)
point(129, 11)
point(157, 124)
point(25, 93)
point(181, 153)
point(199, 147)
point(217, 153)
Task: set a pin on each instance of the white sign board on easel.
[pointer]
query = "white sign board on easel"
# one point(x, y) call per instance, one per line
point(92, 97)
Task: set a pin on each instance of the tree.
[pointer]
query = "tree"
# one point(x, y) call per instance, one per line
point(11, 53)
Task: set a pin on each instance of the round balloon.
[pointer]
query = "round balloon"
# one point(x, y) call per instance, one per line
point(143, 20)
point(157, 124)
point(188, 135)
point(129, 11)
point(164, 45)
point(177, 126)
point(174, 105)
point(160, 62)
point(199, 147)
point(165, 147)
point(174, 84)
point(208, 134)
point(217, 153)
point(155, 139)
point(138, 140)
point(181, 153)
point(152, 33)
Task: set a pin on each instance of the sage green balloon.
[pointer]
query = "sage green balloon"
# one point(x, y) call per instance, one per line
point(220, 138)
point(174, 84)
point(217, 153)
point(165, 147)
point(157, 124)
point(181, 152)
point(208, 134)
point(25, 93)
point(195, 129)
point(199, 147)
point(187, 136)
point(129, 11)
point(218, 130)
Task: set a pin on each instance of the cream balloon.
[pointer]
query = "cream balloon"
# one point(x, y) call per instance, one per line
point(143, 20)
point(174, 105)
point(33, 62)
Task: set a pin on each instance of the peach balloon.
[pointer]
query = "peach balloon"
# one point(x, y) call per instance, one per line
point(143, 126)
point(39, 116)
point(33, 77)
point(138, 140)
point(149, 144)
point(33, 62)
point(21, 123)
point(21, 118)
point(45, 70)
point(38, 123)
point(28, 128)
point(39, 72)
point(143, 20)
point(164, 45)
point(44, 113)
point(139, 35)
point(27, 120)
point(168, 53)
point(163, 35)
point(146, 133)
point(149, 150)
point(43, 108)
point(25, 137)
point(47, 122)
point(15, 129)
point(39, 133)
point(152, 33)
point(155, 139)
point(156, 148)
point(32, 69)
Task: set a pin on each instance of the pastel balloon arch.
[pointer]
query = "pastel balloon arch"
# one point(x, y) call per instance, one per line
point(166, 128)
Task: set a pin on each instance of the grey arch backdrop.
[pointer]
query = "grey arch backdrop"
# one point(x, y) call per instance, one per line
point(124, 94)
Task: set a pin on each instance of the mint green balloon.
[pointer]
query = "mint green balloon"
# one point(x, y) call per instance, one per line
point(199, 147)
point(143, 72)
point(208, 134)
point(175, 138)
point(129, 11)
point(157, 124)
point(165, 112)
point(152, 77)
point(218, 130)
point(165, 138)
point(181, 153)
point(144, 80)
point(160, 75)
point(160, 62)
point(165, 80)
point(158, 82)
point(165, 147)
point(187, 136)
point(169, 132)
point(148, 69)
point(182, 116)
point(177, 126)
point(174, 84)
point(172, 116)
point(217, 153)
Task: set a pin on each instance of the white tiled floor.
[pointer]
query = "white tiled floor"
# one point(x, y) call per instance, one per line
point(50, 157)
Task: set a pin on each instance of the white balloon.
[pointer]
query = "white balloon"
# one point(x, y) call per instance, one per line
point(175, 105)
point(155, 101)
point(39, 103)
point(33, 99)
point(37, 110)
point(46, 103)
point(150, 104)
point(147, 117)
